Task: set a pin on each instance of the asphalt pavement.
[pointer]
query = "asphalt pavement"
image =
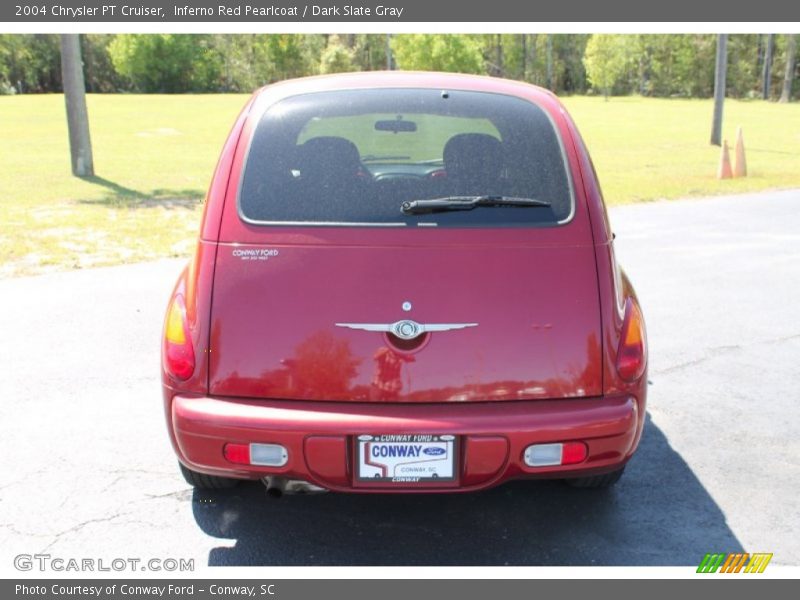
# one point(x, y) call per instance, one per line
point(88, 470)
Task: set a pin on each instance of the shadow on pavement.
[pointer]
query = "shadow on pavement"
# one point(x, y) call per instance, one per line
point(119, 196)
point(658, 514)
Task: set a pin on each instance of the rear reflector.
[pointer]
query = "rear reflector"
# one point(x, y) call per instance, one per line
point(548, 455)
point(573, 453)
point(268, 455)
point(237, 453)
point(263, 455)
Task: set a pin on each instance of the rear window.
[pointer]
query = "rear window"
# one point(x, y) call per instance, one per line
point(353, 157)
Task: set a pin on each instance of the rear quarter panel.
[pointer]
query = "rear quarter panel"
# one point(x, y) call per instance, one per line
point(613, 284)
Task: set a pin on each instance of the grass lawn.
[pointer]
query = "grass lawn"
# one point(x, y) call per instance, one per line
point(652, 149)
point(154, 156)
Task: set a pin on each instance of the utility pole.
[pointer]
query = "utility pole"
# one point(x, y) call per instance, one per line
point(766, 75)
point(80, 144)
point(791, 49)
point(719, 88)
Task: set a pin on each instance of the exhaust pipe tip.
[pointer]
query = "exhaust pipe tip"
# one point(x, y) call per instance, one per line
point(275, 486)
point(278, 486)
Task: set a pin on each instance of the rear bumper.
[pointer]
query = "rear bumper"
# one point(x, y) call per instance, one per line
point(319, 436)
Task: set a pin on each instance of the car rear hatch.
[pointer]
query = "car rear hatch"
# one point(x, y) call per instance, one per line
point(316, 256)
point(279, 312)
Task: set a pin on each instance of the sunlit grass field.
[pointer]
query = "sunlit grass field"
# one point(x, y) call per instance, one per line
point(154, 156)
point(651, 149)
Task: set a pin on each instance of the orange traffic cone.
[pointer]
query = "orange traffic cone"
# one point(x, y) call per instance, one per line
point(724, 171)
point(739, 162)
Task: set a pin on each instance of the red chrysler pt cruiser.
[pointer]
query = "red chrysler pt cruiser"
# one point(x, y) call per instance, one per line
point(404, 282)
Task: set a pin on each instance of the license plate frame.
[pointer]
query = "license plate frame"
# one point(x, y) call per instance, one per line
point(374, 465)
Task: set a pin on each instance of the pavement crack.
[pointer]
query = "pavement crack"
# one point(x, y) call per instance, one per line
point(24, 478)
point(179, 495)
point(113, 482)
point(13, 529)
point(124, 472)
point(75, 528)
point(711, 354)
point(717, 351)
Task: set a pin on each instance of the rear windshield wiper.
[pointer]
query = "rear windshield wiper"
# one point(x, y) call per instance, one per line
point(415, 207)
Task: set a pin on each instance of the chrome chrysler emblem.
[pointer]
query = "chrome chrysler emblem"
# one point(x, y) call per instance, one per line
point(406, 329)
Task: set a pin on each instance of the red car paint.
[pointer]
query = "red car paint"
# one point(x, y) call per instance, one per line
point(272, 367)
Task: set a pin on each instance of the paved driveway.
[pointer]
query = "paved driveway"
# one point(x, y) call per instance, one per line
point(88, 472)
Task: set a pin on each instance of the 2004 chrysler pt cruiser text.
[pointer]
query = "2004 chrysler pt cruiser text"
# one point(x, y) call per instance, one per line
point(404, 282)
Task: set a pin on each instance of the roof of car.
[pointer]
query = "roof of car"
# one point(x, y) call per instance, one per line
point(406, 79)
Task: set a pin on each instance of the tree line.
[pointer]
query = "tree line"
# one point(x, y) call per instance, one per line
point(662, 65)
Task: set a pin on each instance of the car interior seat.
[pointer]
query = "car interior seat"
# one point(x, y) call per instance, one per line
point(330, 175)
point(473, 163)
point(329, 163)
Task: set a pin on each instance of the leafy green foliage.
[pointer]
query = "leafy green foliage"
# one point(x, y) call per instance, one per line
point(336, 58)
point(30, 63)
point(99, 71)
point(607, 59)
point(452, 53)
point(662, 65)
point(166, 62)
point(678, 65)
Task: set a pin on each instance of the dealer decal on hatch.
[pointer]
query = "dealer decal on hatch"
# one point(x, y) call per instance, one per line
point(254, 253)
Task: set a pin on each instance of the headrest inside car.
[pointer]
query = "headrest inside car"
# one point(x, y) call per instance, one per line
point(470, 152)
point(328, 158)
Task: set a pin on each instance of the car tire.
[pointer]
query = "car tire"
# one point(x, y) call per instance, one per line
point(207, 482)
point(596, 481)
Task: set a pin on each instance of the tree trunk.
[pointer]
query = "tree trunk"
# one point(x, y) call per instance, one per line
point(719, 88)
point(791, 49)
point(523, 39)
point(80, 144)
point(766, 76)
point(499, 55)
point(550, 61)
point(642, 77)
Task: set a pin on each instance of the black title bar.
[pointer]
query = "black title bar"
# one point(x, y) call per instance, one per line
point(392, 11)
point(464, 589)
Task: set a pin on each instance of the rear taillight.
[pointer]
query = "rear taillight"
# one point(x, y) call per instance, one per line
point(178, 351)
point(632, 352)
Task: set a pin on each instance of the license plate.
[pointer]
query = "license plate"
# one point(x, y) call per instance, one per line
point(406, 458)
